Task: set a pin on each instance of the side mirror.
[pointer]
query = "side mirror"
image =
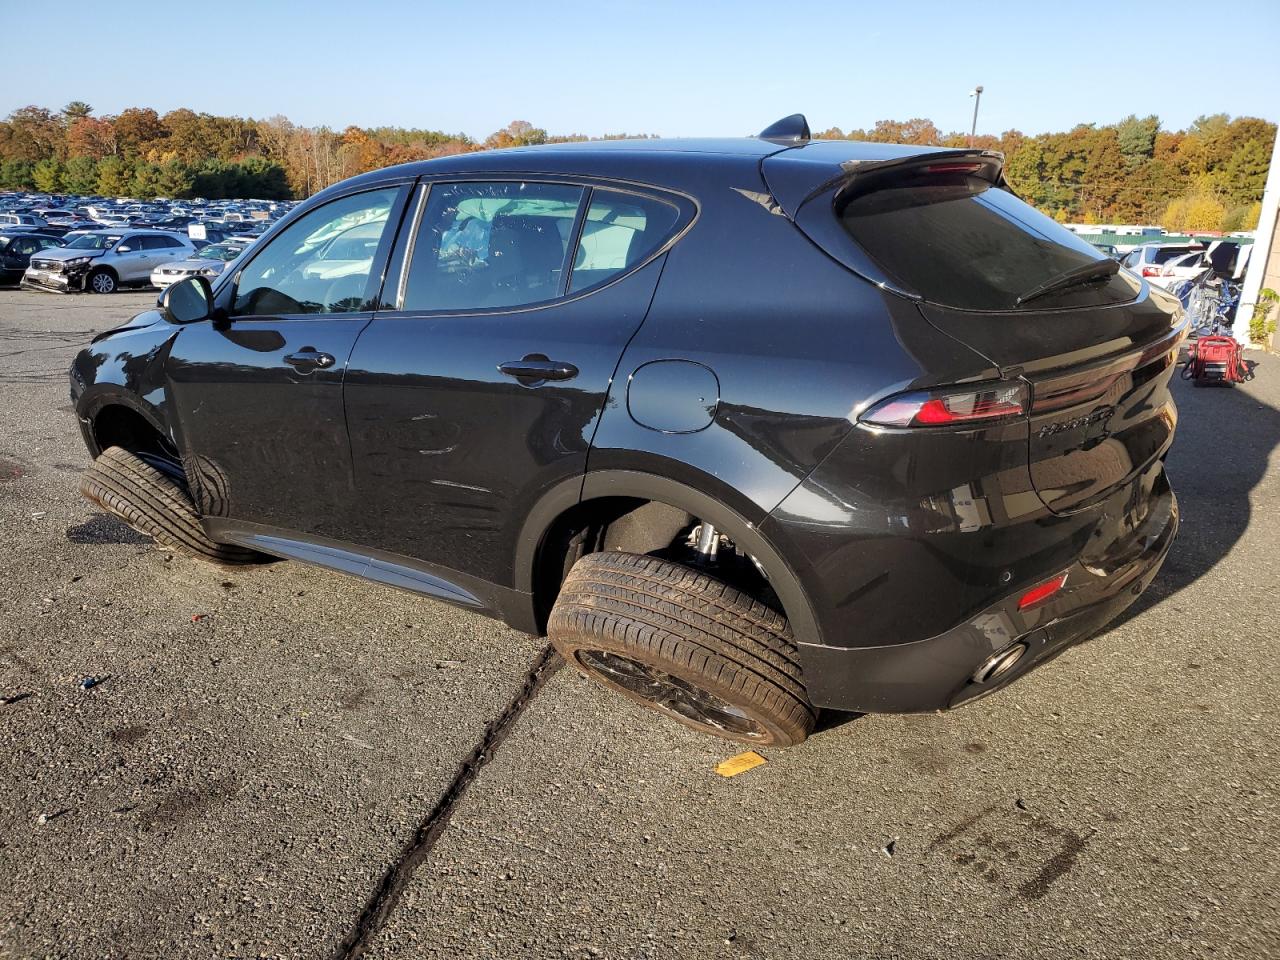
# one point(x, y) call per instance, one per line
point(123, 248)
point(187, 301)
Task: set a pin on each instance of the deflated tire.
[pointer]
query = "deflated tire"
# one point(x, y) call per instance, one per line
point(154, 504)
point(683, 643)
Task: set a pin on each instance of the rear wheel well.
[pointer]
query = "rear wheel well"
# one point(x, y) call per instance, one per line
point(640, 526)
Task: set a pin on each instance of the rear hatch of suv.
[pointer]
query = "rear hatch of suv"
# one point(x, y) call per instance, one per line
point(1095, 344)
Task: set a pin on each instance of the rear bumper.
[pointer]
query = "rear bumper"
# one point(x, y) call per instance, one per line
point(938, 673)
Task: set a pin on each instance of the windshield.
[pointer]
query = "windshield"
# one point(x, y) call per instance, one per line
point(220, 251)
point(94, 241)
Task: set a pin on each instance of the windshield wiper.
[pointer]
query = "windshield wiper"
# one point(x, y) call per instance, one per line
point(1086, 273)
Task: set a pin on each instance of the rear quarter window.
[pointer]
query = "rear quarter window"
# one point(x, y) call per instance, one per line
point(962, 242)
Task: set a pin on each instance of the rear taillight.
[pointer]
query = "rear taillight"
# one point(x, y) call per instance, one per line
point(1151, 271)
point(942, 408)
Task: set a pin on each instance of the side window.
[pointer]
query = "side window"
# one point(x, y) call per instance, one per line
point(621, 229)
point(150, 243)
point(321, 263)
point(491, 245)
point(25, 245)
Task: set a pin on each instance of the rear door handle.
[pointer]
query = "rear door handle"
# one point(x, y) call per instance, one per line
point(536, 368)
point(309, 358)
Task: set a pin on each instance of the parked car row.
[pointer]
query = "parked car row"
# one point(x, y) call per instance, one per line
point(94, 245)
point(102, 261)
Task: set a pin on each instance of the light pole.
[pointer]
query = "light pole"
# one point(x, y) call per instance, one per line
point(976, 93)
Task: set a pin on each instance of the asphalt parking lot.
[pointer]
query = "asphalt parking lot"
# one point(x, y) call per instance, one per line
point(281, 762)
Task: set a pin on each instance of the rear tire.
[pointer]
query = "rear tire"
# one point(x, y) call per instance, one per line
point(154, 504)
point(101, 280)
point(684, 644)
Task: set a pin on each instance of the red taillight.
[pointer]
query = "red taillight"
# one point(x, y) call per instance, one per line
point(1040, 594)
point(939, 409)
point(951, 168)
point(1151, 271)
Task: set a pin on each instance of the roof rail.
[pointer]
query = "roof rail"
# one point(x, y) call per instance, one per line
point(787, 130)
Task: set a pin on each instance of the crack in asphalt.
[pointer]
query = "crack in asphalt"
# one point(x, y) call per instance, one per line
point(388, 893)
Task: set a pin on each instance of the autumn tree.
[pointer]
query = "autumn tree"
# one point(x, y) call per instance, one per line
point(91, 137)
point(136, 129)
point(34, 134)
point(518, 133)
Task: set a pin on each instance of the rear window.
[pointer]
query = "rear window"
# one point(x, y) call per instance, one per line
point(962, 242)
point(1165, 254)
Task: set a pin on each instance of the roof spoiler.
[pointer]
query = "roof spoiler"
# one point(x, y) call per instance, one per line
point(790, 129)
point(795, 184)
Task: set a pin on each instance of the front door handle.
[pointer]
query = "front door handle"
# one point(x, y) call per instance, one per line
point(535, 368)
point(309, 358)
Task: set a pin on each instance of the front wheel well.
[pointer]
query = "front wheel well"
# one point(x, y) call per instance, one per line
point(639, 526)
point(116, 425)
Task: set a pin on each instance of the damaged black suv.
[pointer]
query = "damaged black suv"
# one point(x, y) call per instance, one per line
point(748, 428)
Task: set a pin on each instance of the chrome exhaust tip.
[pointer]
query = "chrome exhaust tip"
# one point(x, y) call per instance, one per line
point(999, 663)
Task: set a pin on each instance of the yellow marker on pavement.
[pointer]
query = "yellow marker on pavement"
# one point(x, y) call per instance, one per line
point(739, 764)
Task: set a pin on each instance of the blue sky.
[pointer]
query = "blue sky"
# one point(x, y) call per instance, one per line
point(672, 68)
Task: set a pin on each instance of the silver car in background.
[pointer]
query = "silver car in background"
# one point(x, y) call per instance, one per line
point(102, 261)
point(209, 262)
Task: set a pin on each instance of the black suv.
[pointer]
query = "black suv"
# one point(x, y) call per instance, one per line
point(748, 427)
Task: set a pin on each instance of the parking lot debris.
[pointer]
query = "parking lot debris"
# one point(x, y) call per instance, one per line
point(46, 817)
point(890, 848)
point(197, 617)
point(88, 683)
point(14, 698)
point(739, 764)
point(37, 514)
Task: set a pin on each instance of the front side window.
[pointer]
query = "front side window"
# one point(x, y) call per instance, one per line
point(321, 263)
point(491, 245)
point(621, 229)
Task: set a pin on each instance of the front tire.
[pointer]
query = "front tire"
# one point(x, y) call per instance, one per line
point(101, 280)
point(684, 644)
point(154, 504)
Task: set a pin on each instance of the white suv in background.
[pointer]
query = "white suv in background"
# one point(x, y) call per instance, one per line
point(102, 261)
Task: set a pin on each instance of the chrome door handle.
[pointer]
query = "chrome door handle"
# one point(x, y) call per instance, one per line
point(309, 358)
point(536, 367)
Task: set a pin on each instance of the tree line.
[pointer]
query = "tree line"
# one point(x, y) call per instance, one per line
point(1207, 177)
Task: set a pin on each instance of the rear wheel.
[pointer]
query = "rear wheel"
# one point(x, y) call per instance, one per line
point(684, 644)
point(101, 280)
point(154, 503)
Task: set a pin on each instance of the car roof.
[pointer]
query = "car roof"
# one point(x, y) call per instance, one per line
point(661, 161)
